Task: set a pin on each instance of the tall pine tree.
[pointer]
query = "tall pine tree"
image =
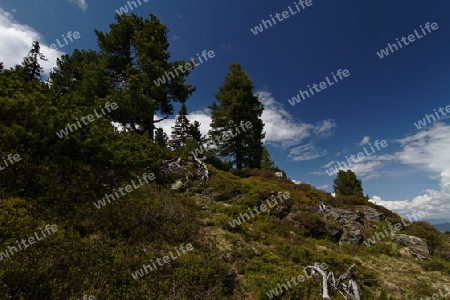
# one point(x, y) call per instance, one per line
point(266, 162)
point(31, 64)
point(237, 108)
point(194, 132)
point(161, 137)
point(137, 56)
point(181, 129)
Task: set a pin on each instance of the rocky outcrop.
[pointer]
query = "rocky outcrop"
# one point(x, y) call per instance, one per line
point(373, 215)
point(333, 232)
point(344, 217)
point(351, 223)
point(417, 246)
point(351, 237)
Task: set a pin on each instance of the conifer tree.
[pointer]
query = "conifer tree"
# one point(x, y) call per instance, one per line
point(194, 132)
point(161, 137)
point(266, 162)
point(137, 55)
point(181, 129)
point(346, 184)
point(236, 124)
point(31, 62)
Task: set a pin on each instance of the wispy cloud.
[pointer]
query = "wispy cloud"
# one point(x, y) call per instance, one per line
point(81, 3)
point(306, 152)
point(323, 187)
point(364, 141)
point(329, 164)
point(281, 127)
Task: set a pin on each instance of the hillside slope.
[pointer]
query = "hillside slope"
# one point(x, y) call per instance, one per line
point(194, 250)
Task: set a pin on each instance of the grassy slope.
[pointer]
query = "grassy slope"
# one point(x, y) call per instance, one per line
point(96, 250)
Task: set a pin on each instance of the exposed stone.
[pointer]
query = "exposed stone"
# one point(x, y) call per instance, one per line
point(333, 232)
point(177, 184)
point(418, 247)
point(351, 222)
point(351, 237)
point(344, 217)
point(373, 215)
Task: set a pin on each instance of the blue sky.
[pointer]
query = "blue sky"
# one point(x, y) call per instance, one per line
point(380, 100)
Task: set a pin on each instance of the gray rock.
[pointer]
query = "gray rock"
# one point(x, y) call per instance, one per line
point(344, 217)
point(416, 245)
point(351, 237)
point(374, 215)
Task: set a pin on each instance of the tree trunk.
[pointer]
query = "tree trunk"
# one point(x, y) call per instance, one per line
point(317, 268)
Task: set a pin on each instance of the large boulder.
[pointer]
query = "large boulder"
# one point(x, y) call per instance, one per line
point(416, 245)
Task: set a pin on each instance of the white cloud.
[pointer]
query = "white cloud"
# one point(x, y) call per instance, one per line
point(427, 149)
point(366, 168)
point(365, 140)
point(81, 3)
point(202, 116)
point(306, 152)
point(16, 41)
point(280, 127)
point(318, 173)
point(369, 166)
point(329, 164)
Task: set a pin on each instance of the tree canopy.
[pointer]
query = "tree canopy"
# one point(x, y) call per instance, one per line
point(237, 107)
point(136, 54)
point(346, 183)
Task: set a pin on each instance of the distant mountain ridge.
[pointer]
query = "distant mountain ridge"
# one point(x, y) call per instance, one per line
point(442, 227)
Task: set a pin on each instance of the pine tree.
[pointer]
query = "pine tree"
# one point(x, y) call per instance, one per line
point(236, 120)
point(161, 137)
point(181, 129)
point(137, 55)
point(194, 132)
point(266, 162)
point(346, 184)
point(31, 64)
